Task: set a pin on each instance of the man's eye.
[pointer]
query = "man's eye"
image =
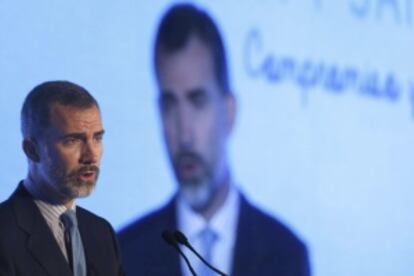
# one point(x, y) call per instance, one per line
point(70, 141)
point(199, 100)
point(166, 104)
point(99, 138)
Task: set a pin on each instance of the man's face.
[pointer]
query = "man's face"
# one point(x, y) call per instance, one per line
point(70, 150)
point(196, 118)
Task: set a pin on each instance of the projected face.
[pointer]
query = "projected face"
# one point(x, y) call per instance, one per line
point(195, 116)
point(70, 151)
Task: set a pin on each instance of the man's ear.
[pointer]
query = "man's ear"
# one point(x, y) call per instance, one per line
point(30, 149)
point(231, 107)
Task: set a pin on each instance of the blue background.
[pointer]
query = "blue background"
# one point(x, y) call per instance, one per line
point(324, 133)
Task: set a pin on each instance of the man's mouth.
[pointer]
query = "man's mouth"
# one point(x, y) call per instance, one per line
point(87, 176)
point(187, 170)
point(189, 167)
point(87, 173)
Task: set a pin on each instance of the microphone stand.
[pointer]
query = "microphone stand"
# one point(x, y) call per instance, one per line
point(182, 239)
point(170, 239)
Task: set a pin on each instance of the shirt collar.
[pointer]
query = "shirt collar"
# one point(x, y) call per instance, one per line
point(192, 223)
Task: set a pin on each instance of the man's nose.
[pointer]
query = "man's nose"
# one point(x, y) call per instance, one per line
point(185, 127)
point(90, 153)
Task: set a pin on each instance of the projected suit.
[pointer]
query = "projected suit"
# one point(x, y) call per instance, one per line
point(198, 110)
point(263, 245)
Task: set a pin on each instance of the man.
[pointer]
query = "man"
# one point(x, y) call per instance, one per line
point(42, 230)
point(198, 111)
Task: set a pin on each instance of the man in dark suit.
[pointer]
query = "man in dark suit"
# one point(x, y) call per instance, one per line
point(42, 231)
point(197, 111)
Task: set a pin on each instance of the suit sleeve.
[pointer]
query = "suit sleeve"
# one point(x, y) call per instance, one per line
point(6, 264)
point(299, 263)
point(304, 261)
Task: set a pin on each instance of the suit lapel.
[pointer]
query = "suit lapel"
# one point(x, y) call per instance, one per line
point(164, 260)
point(172, 259)
point(41, 242)
point(246, 260)
point(90, 242)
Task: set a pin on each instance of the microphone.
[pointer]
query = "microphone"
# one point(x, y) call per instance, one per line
point(182, 239)
point(168, 237)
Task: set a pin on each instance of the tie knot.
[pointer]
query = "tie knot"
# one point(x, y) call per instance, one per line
point(208, 235)
point(69, 218)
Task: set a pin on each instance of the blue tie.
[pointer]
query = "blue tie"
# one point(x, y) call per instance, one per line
point(72, 232)
point(208, 238)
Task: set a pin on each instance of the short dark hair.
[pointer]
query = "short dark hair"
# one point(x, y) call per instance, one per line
point(179, 24)
point(35, 113)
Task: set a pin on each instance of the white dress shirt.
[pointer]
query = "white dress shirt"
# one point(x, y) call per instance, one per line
point(223, 223)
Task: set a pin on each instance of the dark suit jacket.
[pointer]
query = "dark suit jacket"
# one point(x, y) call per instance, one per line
point(28, 247)
point(263, 245)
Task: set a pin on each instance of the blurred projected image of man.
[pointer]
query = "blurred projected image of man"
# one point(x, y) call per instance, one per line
point(42, 230)
point(198, 110)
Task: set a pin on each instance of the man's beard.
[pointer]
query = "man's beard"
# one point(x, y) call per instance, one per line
point(197, 190)
point(71, 185)
point(198, 195)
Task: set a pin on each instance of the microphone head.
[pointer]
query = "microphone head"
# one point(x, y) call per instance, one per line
point(168, 236)
point(180, 237)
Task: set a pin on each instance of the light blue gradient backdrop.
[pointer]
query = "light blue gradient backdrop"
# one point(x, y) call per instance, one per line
point(335, 164)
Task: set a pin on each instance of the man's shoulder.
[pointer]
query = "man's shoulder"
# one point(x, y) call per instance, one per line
point(7, 218)
point(12, 234)
point(268, 228)
point(17, 204)
point(267, 240)
point(5, 207)
point(143, 249)
point(91, 219)
point(151, 224)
